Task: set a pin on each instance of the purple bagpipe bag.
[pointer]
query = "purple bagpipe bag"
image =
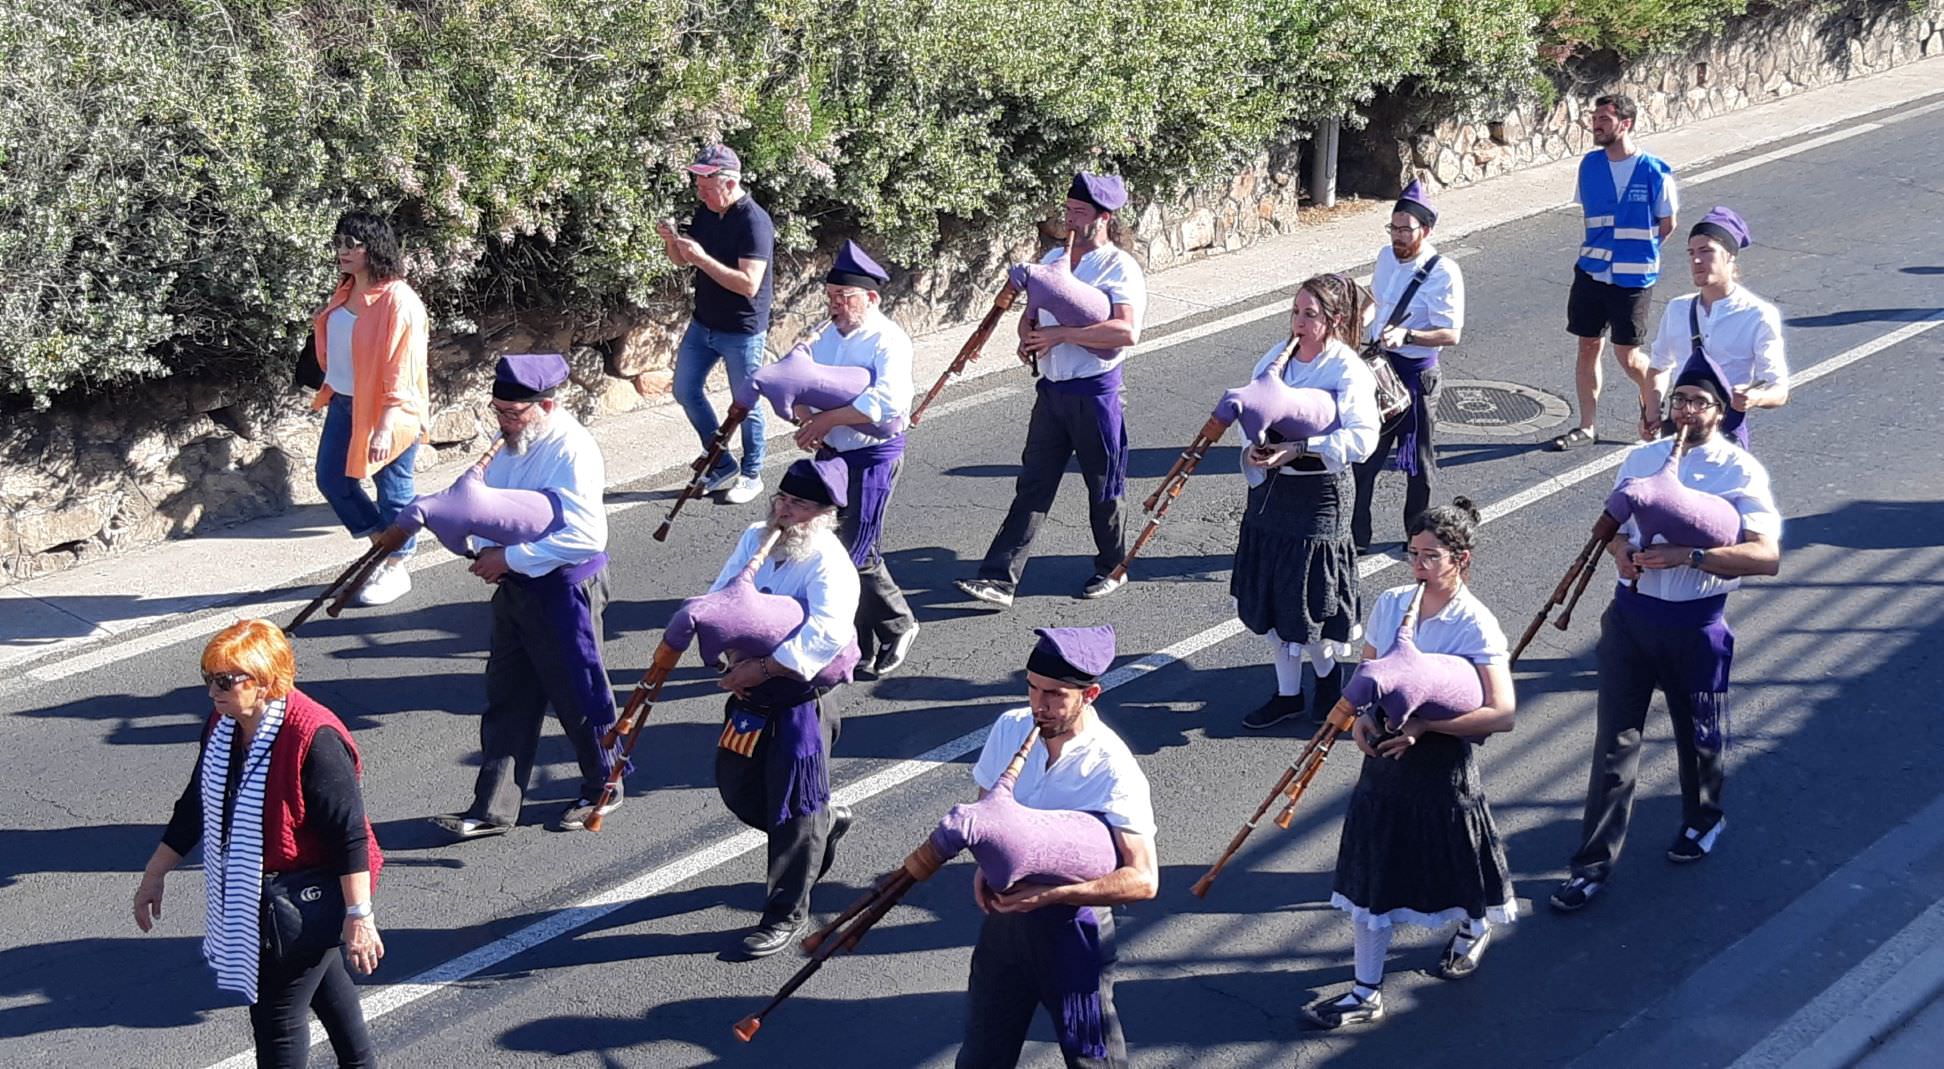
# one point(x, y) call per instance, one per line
point(797, 379)
point(471, 509)
point(1053, 288)
point(1407, 682)
point(743, 620)
point(1661, 506)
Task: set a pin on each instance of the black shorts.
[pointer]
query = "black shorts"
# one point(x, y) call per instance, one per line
point(1596, 308)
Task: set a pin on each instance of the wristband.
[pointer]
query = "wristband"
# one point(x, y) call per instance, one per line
point(766, 668)
point(357, 911)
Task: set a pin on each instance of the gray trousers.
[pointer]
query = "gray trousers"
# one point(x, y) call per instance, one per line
point(1009, 965)
point(534, 662)
point(1061, 427)
point(796, 846)
point(882, 611)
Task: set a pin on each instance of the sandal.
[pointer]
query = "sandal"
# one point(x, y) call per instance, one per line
point(1463, 953)
point(1349, 1009)
point(1576, 436)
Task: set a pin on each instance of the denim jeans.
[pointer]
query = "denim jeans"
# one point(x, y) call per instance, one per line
point(742, 355)
point(347, 497)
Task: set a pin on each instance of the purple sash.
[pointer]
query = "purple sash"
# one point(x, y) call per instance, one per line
point(872, 469)
point(1733, 424)
point(1410, 370)
point(569, 618)
point(796, 774)
point(1072, 935)
point(1102, 393)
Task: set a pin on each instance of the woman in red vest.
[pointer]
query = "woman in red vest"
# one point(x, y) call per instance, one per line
point(289, 857)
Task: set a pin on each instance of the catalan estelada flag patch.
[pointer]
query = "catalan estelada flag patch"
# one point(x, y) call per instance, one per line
point(739, 735)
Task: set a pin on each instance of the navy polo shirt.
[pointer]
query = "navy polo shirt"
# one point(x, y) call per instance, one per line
point(744, 232)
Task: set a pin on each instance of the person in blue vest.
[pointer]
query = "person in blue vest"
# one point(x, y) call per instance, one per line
point(1629, 201)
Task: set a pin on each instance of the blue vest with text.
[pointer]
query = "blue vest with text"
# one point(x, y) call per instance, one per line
point(1622, 243)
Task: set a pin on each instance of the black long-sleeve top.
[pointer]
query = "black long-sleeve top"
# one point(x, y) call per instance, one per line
point(333, 806)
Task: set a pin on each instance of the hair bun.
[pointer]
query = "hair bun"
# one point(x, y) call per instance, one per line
point(1464, 505)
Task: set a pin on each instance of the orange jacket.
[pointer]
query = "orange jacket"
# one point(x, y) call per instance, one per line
point(387, 368)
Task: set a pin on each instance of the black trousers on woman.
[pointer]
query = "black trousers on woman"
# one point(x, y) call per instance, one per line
point(286, 995)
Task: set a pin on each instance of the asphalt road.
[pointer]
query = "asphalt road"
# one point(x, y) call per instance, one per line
point(1835, 657)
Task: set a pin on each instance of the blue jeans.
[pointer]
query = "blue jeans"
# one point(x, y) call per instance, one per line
point(347, 497)
point(741, 355)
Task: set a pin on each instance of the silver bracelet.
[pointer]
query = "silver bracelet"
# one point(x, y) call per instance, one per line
point(357, 911)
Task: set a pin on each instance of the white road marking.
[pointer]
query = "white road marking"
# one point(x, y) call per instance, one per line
point(572, 918)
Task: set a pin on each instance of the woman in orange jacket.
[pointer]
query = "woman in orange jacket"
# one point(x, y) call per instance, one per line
point(371, 344)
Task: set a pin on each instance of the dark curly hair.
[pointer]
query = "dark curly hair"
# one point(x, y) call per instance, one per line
point(1455, 526)
point(1342, 301)
point(380, 243)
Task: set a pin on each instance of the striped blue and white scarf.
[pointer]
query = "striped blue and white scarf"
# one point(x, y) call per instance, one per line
point(233, 870)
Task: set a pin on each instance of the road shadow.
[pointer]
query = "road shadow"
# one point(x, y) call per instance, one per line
point(1868, 525)
point(1854, 316)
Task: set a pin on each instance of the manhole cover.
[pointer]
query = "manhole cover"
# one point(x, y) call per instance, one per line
point(1498, 409)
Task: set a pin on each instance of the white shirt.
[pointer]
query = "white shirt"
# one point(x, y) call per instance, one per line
point(825, 582)
point(562, 458)
point(885, 348)
point(1622, 171)
point(1741, 336)
point(1438, 304)
point(1463, 628)
point(337, 350)
point(1114, 271)
point(1096, 772)
point(1717, 466)
point(1342, 372)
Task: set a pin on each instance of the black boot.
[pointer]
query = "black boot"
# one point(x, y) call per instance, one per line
point(1277, 709)
point(1329, 688)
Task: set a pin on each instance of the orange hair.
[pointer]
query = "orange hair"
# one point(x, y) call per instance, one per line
point(256, 648)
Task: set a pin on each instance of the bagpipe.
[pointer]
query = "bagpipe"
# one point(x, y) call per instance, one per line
point(1049, 287)
point(1013, 845)
point(728, 625)
point(465, 510)
point(1659, 505)
point(1265, 406)
point(1404, 683)
point(795, 379)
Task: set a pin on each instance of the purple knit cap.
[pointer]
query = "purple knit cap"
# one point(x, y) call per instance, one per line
point(1075, 655)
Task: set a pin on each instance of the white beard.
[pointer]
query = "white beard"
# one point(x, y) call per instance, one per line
point(799, 542)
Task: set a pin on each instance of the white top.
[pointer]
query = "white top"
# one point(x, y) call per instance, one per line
point(1717, 466)
point(565, 459)
point(885, 348)
point(1741, 336)
point(1463, 628)
point(1622, 171)
point(825, 581)
point(1342, 372)
point(1438, 304)
point(1096, 772)
point(337, 350)
point(1109, 268)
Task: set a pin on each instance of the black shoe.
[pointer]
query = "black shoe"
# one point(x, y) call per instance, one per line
point(1573, 895)
point(1329, 688)
point(1693, 844)
point(769, 937)
point(1349, 1009)
point(990, 591)
point(1274, 711)
point(841, 819)
point(891, 657)
point(461, 827)
point(1102, 585)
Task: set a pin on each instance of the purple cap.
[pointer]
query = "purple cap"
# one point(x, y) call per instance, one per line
point(717, 159)
point(528, 376)
point(1416, 201)
point(854, 267)
point(1104, 191)
point(1074, 655)
point(826, 482)
point(1723, 225)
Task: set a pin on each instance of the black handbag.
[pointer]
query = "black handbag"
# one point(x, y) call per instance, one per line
point(1393, 397)
point(303, 916)
point(308, 374)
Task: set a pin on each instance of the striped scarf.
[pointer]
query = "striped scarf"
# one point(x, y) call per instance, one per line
point(233, 869)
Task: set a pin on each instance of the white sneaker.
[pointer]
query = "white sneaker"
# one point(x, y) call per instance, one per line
point(389, 582)
point(743, 491)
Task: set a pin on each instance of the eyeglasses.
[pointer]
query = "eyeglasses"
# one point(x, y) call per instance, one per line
point(225, 681)
point(345, 242)
point(1428, 556)
point(510, 411)
point(1699, 404)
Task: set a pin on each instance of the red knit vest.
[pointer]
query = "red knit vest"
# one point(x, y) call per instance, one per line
point(288, 845)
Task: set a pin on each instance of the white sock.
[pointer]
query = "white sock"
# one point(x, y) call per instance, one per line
point(1474, 928)
point(1289, 668)
point(1319, 656)
point(1371, 946)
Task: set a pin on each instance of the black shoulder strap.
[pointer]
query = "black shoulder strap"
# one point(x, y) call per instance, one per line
point(1403, 306)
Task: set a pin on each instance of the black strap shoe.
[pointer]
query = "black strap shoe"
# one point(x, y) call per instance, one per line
point(769, 937)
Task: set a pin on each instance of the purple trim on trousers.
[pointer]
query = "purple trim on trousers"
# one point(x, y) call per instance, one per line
point(1102, 394)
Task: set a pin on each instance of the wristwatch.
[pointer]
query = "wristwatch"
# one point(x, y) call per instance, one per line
point(353, 912)
point(1696, 556)
point(1410, 337)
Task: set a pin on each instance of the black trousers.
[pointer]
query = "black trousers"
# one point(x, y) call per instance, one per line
point(280, 1017)
point(1061, 427)
point(1633, 655)
point(530, 665)
point(796, 846)
point(1417, 488)
point(1009, 965)
point(882, 611)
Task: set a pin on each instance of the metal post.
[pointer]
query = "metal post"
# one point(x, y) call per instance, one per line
point(1323, 164)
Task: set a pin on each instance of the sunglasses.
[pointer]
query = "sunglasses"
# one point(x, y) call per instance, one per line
point(345, 242)
point(225, 681)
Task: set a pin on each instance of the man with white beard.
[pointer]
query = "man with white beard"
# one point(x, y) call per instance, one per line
point(550, 593)
point(773, 757)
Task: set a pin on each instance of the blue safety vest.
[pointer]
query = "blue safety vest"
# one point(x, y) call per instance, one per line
point(1622, 242)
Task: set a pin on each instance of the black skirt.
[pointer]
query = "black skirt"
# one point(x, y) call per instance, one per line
point(1419, 845)
point(1295, 565)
